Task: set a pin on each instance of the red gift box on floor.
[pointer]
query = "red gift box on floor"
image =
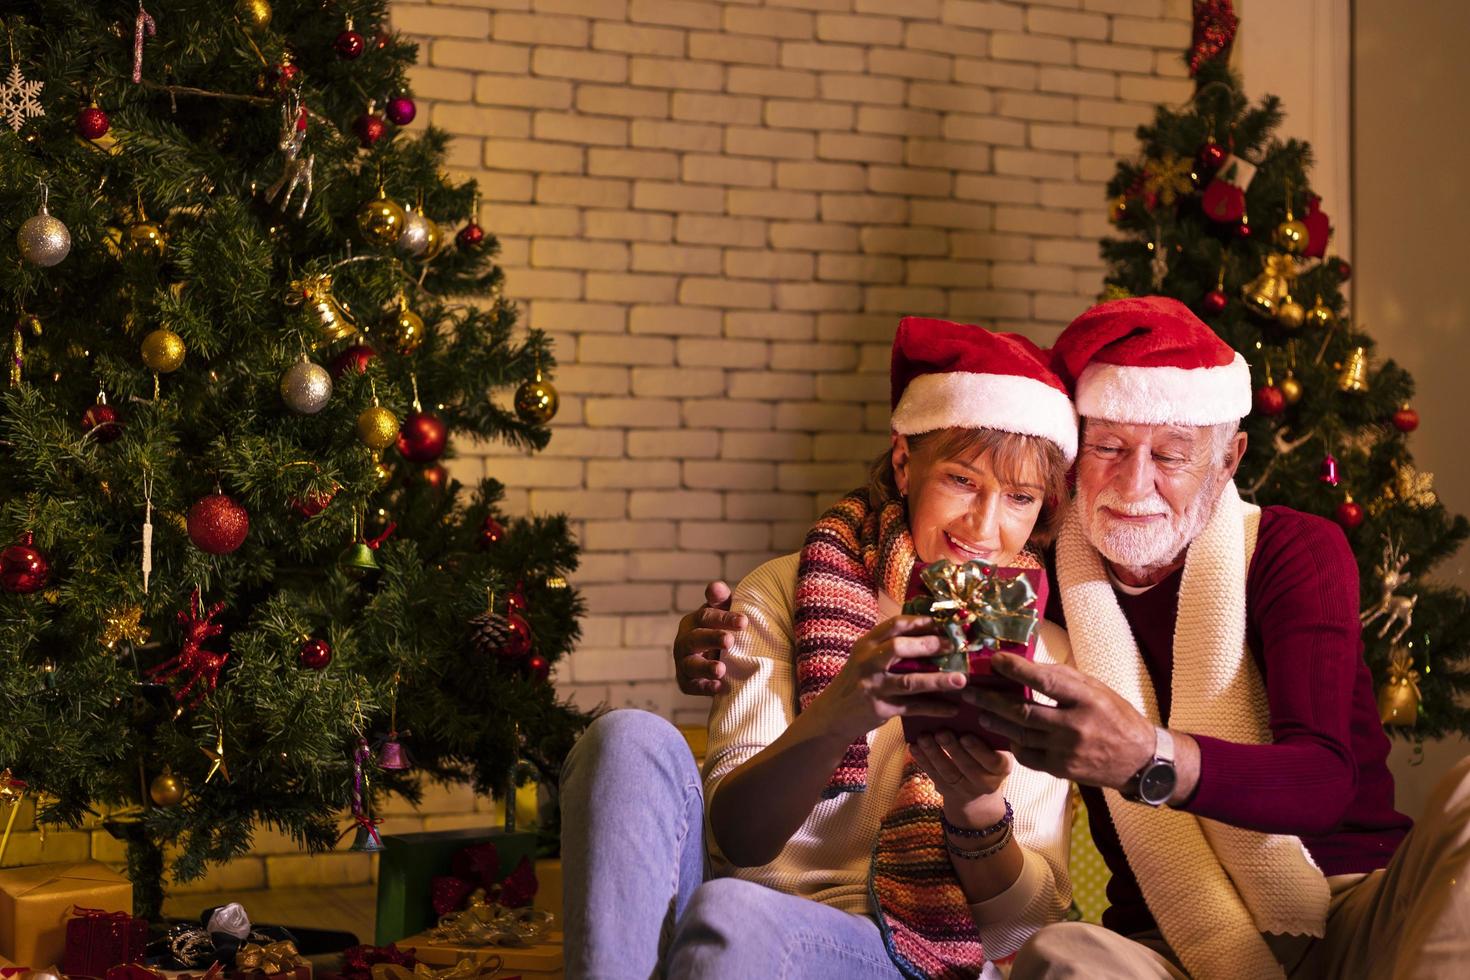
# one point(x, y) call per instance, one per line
point(97, 940)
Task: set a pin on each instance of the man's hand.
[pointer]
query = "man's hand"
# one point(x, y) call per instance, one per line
point(1092, 736)
point(703, 636)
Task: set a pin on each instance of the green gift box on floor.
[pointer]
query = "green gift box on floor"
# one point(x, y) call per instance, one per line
point(409, 862)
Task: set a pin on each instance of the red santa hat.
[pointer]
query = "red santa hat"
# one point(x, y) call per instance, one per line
point(1148, 360)
point(953, 375)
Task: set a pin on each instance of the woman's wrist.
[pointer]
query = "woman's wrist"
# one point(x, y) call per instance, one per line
point(978, 814)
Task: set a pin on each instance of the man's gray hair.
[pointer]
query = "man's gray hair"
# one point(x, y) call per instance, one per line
point(1221, 438)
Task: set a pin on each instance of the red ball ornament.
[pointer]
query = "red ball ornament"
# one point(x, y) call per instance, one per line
point(491, 533)
point(102, 422)
point(1405, 419)
point(470, 236)
point(1214, 301)
point(369, 128)
point(1243, 230)
point(401, 110)
point(1349, 513)
point(520, 640)
point(92, 123)
point(315, 654)
point(1269, 400)
point(1344, 270)
point(516, 600)
point(1328, 473)
point(422, 437)
point(434, 476)
point(349, 45)
point(355, 358)
point(217, 524)
point(1211, 155)
point(382, 39)
point(538, 667)
point(312, 504)
point(23, 567)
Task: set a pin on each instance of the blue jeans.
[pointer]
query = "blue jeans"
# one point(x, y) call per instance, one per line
point(637, 904)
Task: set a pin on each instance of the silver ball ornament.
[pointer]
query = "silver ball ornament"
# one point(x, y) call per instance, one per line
point(414, 240)
point(43, 240)
point(306, 387)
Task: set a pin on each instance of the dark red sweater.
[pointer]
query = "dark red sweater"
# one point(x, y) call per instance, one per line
point(1324, 777)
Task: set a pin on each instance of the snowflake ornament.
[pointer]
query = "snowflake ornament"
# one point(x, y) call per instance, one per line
point(20, 99)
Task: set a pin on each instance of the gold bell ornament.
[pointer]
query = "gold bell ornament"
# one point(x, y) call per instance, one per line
point(333, 318)
point(1320, 316)
point(1353, 379)
point(1263, 293)
point(381, 220)
point(1399, 697)
point(1291, 234)
point(537, 400)
point(377, 428)
point(406, 327)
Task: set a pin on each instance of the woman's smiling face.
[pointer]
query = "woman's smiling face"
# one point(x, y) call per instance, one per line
point(980, 502)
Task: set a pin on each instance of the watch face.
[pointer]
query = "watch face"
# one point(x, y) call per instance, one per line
point(1156, 784)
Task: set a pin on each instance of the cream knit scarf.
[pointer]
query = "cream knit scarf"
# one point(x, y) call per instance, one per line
point(1212, 888)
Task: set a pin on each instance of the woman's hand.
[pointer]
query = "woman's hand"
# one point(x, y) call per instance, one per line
point(969, 775)
point(864, 694)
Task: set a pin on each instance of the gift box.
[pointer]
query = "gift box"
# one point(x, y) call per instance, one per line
point(408, 864)
point(549, 886)
point(542, 961)
point(97, 940)
point(37, 900)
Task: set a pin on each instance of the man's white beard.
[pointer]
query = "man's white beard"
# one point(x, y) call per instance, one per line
point(1143, 547)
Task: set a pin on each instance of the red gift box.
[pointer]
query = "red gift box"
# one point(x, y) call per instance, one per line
point(96, 941)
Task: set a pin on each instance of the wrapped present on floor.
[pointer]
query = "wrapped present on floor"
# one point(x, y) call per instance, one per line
point(409, 864)
point(37, 900)
point(541, 960)
point(97, 940)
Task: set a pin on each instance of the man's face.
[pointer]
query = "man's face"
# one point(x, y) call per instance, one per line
point(1146, 491)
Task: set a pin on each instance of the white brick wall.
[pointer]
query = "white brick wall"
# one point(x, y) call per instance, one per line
point(720, 209)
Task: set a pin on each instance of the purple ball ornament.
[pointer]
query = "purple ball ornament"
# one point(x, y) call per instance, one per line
point(401, 110)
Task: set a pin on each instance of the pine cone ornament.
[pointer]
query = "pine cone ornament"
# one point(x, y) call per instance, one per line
point(494, 635)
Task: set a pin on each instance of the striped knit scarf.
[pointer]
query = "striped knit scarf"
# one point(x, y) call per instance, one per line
point(849, 553)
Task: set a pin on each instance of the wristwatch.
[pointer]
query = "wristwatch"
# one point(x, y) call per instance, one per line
point(1154, 783)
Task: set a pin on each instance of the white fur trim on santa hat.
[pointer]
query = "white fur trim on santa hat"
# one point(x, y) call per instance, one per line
point(1165, 395)
point(1008, 402)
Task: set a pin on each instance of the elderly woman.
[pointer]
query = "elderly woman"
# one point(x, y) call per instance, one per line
point(836, 847)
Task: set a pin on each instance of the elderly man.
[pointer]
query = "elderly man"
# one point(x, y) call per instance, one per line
point(1220, 720)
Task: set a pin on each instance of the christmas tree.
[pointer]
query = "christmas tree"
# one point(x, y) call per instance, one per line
point(249, 316)
point(1220, 215)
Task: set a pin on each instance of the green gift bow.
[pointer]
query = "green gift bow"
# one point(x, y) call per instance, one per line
point(976, 607)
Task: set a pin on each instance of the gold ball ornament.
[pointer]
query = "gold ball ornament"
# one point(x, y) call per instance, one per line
point(435, 239)
point(1291, 236)
point(1320, 316)
point(163, 351)
point(1289, 313)
point(145, 238)
point(407, 328)
point(1291, 389)
point(256, 14)
point(166, 789)
point(377, 428)
point(381, 220)
point(537, 401)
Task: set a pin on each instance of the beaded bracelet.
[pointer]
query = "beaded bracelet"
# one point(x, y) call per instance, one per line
point(983, 852)
point(1004, 821)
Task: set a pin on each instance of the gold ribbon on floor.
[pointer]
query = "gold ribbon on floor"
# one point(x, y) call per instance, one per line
point(484, 923)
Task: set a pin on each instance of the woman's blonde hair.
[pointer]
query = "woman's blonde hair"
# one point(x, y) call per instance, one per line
point(1008, 454)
